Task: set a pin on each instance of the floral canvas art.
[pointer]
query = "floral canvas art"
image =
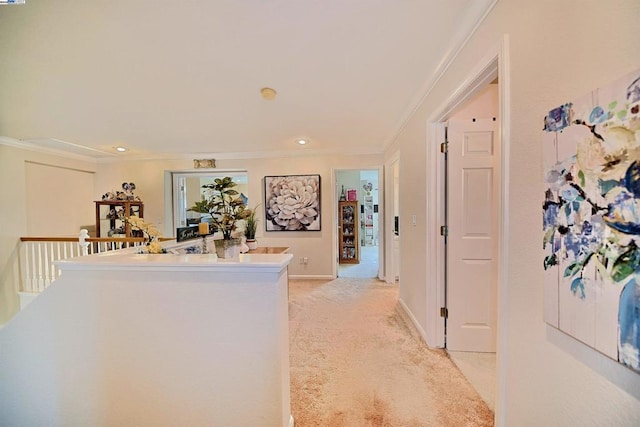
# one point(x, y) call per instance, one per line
point(292, 202)
point(591, 219)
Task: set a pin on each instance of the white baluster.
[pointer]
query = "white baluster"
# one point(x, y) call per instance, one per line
point(46, 265)
point(34, 268)
point(52, 259)
point(84, 234)
point(28, 266)
point(56, 270)
point(40, 285)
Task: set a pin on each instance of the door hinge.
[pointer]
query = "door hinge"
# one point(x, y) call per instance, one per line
point(444, 230)
point(444, 312)
point(444, 147)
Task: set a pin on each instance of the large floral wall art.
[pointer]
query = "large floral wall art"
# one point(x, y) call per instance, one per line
point(591, 219)
point(292, 202)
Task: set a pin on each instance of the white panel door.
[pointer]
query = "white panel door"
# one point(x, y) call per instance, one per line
point(472, 244)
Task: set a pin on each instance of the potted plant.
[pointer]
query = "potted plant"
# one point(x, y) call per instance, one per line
point(250, 228)
point(223, 204)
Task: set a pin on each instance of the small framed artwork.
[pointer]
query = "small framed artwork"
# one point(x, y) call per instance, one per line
point(292, 202)
point(204, 163)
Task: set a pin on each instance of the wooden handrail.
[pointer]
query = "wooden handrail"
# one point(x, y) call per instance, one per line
point(91, 239)
point(48, 239)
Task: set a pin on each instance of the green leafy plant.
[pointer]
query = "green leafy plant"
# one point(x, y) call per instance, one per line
point(251, 225)
point(223, 204)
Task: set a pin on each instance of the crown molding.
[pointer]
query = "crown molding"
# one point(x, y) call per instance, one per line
point(266, 154)
point(244, 155)
point(468, 26)
point(30, 146)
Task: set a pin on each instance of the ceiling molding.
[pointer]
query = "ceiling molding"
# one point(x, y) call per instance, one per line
point(99, 156)
point(468, 26)
point(32, 146)
point(244, 155)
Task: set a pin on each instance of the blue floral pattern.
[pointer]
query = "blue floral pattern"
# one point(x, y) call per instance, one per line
point(591, 209)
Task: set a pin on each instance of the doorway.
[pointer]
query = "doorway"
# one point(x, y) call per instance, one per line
point(494, 65)
point(472, 180)
point(359, 251)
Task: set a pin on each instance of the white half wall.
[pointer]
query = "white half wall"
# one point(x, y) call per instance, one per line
point(151, 340)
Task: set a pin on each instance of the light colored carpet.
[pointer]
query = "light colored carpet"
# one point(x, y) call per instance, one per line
point(355, 361)
point(366, 268)
point(480, 370)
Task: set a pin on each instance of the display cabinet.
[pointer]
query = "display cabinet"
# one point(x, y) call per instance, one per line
point(348, 232)
point(110, 217)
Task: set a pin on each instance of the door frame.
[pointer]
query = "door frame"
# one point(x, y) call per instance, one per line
point(494, 63)
point(390, 266)
point(381, 218)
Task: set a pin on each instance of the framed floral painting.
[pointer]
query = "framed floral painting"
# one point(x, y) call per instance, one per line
point(292, 203)
point(591, 219)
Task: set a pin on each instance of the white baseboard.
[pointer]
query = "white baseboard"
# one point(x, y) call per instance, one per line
point(26, 298)
point(413, 320)
point(311, 276)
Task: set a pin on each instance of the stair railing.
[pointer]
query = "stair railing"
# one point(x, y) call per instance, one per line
point(38, 255)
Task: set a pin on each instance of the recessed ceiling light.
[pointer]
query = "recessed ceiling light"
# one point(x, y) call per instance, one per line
point(268, 93)
point(121, 149)
point(302, 141)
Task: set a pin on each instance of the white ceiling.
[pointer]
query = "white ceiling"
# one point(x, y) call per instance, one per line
point(160, 76)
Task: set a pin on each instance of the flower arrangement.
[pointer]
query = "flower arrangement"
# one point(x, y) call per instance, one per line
point(223, 205)
point(150, 233)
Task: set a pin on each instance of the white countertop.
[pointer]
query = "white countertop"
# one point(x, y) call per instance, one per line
point(117, 260)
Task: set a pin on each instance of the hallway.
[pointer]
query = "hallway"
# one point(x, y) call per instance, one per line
point(366, 268)
point(356, 361)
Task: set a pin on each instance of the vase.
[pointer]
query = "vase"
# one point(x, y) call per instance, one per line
point(629, 325)
point(227, 248)
point(244, 248)
point(252, 243)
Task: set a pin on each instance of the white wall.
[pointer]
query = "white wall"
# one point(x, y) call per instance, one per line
point(559, 50)
point(484, 105)
point(316, 246)
point(14, 216)
point(350, 180)
point(56, 200)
